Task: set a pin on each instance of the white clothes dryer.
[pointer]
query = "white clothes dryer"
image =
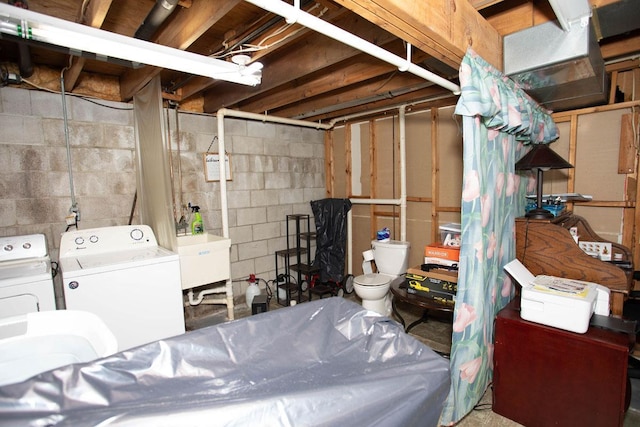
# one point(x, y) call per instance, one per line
point(123, 276)
point(26, 282)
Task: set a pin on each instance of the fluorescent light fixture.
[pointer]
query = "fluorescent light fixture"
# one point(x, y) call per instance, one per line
point(24, 24)
point(570, 12)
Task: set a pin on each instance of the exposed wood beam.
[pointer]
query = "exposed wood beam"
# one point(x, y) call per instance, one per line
point(357, 69)
point(93, 16)
point(277, 38)
point(481, 4)
point(393, 88)
point(360, 69)
point(444, 98)
point(443, 29)
point(96, 12)
point(313, 53)
point(624, 65)
point(620, 48)
point(374, 90)
point(187, 26)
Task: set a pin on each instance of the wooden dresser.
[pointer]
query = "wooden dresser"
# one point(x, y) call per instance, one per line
point(545, 376)
point(545, 246)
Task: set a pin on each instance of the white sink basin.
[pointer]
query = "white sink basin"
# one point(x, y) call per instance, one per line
point(204, 259)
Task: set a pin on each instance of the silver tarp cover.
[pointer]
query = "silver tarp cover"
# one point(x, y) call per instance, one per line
point(327, 362)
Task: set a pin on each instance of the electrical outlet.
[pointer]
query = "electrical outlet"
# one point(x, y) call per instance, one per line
point(70, 219)
point(75, 211)
point(7, 78)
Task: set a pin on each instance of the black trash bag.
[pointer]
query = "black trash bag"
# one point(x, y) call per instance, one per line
point(331, 237)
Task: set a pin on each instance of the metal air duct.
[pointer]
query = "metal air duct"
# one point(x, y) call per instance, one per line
point(156, 17)
point(561, 70)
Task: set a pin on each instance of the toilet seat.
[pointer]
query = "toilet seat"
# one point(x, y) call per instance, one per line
point(372, 279)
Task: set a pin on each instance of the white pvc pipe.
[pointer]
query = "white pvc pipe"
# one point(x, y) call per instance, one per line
point(265, 118)
point(395, 202)
point(221, 114)
point(337, 120)
point(402, 201)
point(294, 14)
point(223, 176)
point(224, 112)
point(403, 175)
point(200, 299)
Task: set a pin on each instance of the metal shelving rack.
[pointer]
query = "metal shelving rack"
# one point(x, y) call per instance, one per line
point(298, 263)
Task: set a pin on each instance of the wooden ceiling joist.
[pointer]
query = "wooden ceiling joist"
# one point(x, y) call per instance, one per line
point(443, 29)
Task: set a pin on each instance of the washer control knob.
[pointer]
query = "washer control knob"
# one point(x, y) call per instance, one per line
point(137, 234)
point(8, 248)
point(79, 240)
point(73, 285)
point(27, 245)
point(93, 238)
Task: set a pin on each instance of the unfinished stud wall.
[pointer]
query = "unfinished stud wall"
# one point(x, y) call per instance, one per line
point(366, 165)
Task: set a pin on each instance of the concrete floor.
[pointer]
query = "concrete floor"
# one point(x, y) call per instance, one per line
point(436, 333)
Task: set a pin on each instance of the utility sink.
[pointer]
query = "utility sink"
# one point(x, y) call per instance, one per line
point(204, 259)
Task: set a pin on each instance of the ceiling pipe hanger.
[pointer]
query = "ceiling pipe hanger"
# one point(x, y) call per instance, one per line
point(293, 14)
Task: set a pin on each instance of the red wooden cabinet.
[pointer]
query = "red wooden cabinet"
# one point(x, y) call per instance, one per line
point(545, 376)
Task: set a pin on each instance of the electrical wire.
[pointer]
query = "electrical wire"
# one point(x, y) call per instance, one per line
point(247, 47)
point(54, 269)
point(93, 100)
point(74, 204)
point(258, 280)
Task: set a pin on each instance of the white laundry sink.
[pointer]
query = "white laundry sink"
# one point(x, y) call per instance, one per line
point(204, 259)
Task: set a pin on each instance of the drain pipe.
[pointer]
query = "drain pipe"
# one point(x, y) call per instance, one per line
point(293, 14)
point(227, 288)
point(402, 201)
point(224, 112)
point(403, 174)
point(156, 17)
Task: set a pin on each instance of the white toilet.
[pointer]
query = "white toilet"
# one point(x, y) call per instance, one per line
point(392, 258)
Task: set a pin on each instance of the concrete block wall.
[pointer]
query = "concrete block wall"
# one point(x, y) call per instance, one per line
point(276, 170)
point(35, 189)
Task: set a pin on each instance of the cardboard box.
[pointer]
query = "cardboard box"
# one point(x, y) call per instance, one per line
point(443, 274)
point(441, 285)
point(445, 299)
point(441, 261)
point(445, 252)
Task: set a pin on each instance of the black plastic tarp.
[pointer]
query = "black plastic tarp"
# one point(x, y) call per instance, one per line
point(331, 237)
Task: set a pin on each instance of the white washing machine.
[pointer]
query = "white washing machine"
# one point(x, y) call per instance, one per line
point(26, 283)
point(123, 276)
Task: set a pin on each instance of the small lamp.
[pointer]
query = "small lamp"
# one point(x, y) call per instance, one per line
point(542, 158)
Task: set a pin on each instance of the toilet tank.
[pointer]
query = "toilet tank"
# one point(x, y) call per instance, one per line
point(392, 256)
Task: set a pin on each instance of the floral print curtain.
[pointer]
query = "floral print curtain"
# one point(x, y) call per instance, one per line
point(499, 121)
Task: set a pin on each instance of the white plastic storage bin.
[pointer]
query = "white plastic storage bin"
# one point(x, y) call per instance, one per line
point(450, 234)
point(37, 342)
